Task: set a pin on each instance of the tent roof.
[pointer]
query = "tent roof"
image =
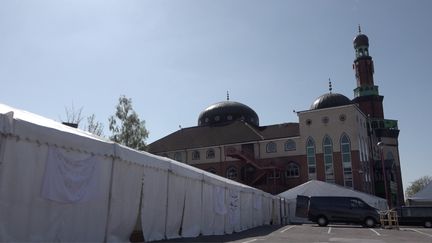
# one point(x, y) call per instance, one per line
point(424, 195)
point(320, 188)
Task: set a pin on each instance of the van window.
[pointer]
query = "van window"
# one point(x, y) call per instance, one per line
point(355, 203)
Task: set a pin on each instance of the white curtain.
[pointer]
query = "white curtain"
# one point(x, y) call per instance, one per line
point(176, 202)
point(125, 200)
point(191, 226)
point(27, 216)
point(154, 204)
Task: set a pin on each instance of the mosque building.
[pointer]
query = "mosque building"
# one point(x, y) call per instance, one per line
point(337, 140)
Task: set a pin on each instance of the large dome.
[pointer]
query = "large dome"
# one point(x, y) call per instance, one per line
point(226, 112)
point(330, 100)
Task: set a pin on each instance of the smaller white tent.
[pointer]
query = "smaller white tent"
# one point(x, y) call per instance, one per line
point(423, 197)
point(320, 188)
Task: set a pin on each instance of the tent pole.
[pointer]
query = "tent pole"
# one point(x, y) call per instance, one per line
point(109, 197)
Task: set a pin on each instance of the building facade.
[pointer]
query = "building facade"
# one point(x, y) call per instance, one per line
point(337, 140)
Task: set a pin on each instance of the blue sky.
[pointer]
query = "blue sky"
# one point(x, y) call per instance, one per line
point(175, 58)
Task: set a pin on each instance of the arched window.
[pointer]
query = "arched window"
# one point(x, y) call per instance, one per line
point(271, 147)
point(211, 170)
point(231, 173)
point(328, 159)
point(310, 155)
point(178, 156)
point(292, 170)
point(195, 155)
point(346, 160)
point(210, 154)
point(290, 145)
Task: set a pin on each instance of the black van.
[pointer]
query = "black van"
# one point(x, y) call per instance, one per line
point(323, 210)
point(415, 215)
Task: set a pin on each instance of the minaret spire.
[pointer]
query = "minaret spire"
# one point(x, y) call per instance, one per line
point(227, 95)
point(359, 29)
point(330, 86)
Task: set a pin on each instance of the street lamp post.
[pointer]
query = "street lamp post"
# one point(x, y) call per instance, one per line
point(381, 147)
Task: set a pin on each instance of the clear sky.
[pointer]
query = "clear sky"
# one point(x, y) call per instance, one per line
point(175, 58)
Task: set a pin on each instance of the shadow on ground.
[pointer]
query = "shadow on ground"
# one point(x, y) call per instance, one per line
point(254, 232)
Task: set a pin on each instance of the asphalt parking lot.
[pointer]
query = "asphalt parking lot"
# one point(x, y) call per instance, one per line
point(314, 233)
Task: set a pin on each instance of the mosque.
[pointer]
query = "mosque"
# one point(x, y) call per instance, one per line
point(337, 140)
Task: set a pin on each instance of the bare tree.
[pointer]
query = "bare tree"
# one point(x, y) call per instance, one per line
point(75, 117)
point(94, 126)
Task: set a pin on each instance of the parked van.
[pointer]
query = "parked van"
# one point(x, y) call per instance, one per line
point(323, 210)
point(415, 215)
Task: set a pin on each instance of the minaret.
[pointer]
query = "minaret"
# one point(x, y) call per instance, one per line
point(366, 94)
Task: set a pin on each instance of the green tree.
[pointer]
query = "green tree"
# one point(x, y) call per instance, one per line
point(126, 127)
point(417, 185)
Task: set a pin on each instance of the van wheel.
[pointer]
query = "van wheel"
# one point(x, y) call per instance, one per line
point(428, 224)
point(322, 221)
point(369, 222)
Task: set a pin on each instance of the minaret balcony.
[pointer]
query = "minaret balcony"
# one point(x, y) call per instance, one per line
point(366, 90)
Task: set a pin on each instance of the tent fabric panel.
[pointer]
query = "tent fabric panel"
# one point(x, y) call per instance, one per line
point(220, 209)
point(246, 210)
point(191, 225)
point(26, 216)
point(125, 200)
point(140, 157)
point(257, 210)
point(232, 219)
point(208, 214)
point(154, 204)
point(75, 141)
point(176, 203)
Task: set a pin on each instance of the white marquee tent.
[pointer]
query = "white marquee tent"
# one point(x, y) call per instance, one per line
point(320, 188)
point(423, 197)
point(59, 183)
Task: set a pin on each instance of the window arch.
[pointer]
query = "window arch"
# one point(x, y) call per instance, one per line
point(211, 170)
point(328, 159)
point(271, 147)
point(292, 170)
point(210, 154)
point(310, 156)
point(196, 155)
point(231, 173)
point(290, 145)
point(178, 156)
point(346, 160)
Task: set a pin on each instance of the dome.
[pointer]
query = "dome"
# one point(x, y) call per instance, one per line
point(227, 111)
point(361, 40)
point(330, 100)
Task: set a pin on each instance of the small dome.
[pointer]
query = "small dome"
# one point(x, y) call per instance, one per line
point(330, 100)
point(361, 40)
point(227, 111)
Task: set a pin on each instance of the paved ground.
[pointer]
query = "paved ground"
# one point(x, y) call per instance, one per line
point(314, 233)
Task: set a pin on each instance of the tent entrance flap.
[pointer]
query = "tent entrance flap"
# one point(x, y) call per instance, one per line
point(302, 206)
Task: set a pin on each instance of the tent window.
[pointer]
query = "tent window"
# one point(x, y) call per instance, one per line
point(210, 154)
point(231, 173)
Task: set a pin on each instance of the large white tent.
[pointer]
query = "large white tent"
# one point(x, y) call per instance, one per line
point(59, 183)
point(423, 197)
point(320, 188)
